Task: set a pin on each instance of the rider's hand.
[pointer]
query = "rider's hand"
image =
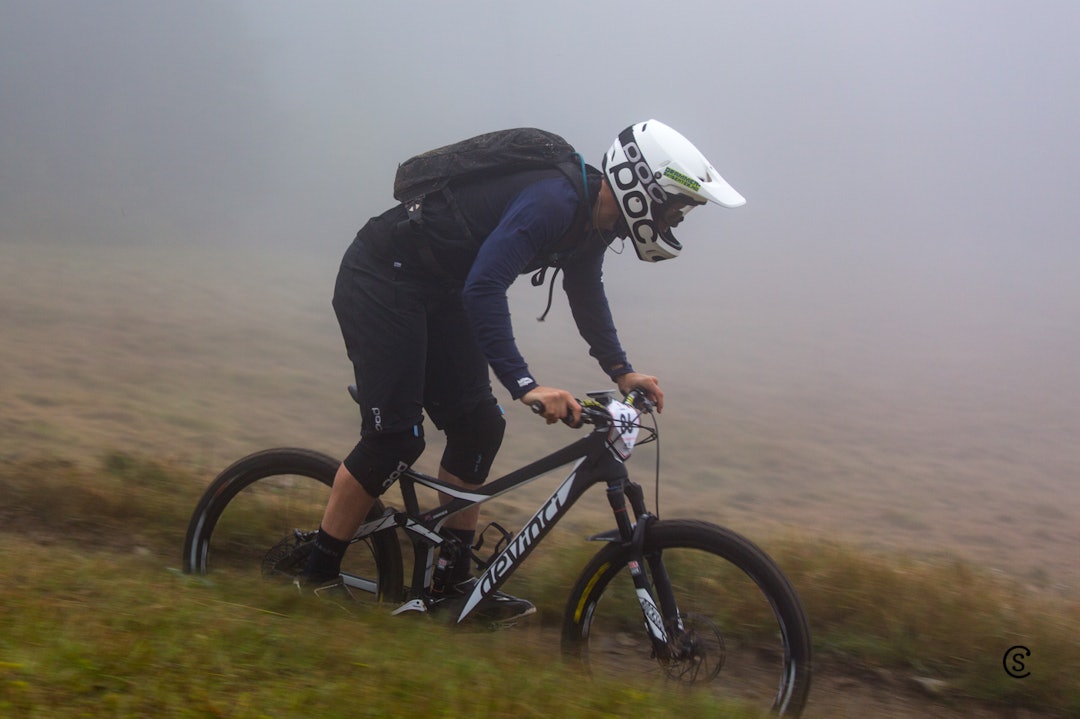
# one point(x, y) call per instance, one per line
point(646, 382)
point(557, 404)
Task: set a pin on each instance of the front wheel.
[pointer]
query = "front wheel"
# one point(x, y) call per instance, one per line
point(740, 632)
point(260, 515)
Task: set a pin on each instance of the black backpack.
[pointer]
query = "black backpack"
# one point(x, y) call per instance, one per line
point(497, 152)
point(493, 153)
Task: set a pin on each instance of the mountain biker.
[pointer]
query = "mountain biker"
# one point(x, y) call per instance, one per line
point(421, 336)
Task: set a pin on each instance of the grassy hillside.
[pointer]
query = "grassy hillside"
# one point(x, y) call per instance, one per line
point(97, 616)
point(200, 355)
point(927, 517)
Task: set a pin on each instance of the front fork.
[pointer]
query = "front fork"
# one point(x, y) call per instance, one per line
point(659, 620)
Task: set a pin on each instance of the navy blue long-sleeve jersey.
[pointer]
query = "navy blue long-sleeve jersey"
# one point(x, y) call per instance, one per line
point(518, 223)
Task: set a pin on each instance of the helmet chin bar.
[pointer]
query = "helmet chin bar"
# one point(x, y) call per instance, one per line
point(641, 204)
point(653, 246)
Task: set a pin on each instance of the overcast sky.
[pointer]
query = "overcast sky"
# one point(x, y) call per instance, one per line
point(907, 122)
point(916, 160)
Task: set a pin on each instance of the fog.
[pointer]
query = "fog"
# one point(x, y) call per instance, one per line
point(911, 171)
point(861, 134)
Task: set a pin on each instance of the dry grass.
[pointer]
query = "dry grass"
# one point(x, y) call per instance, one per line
point(201, 355)
point(923, 500)
point(88, 610)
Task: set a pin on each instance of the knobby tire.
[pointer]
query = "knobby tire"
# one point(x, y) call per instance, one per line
point(256, 504)
point(747, 632)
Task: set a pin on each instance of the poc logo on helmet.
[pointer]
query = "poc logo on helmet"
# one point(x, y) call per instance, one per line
point(635, 179)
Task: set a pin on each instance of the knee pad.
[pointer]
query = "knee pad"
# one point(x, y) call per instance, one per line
point(472, 441)
point(378, 460)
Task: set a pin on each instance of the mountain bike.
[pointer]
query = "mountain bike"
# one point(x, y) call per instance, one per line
point(671, 601)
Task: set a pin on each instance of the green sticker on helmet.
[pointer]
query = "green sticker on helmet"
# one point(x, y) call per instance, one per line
point(684, 180)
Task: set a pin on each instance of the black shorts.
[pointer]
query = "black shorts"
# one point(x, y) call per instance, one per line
point(412, 345)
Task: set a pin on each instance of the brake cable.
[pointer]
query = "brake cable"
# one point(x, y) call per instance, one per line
point(656, 434)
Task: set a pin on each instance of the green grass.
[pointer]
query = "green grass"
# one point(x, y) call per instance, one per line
point(938, 618)
point(134, 640)
point(105, 635)
point(96, 620)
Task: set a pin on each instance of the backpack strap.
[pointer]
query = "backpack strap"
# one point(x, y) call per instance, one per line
point(538, 279)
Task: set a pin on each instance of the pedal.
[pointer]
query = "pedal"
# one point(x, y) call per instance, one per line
point(413, 605)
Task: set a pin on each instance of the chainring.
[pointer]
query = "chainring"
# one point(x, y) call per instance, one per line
point(289, 555)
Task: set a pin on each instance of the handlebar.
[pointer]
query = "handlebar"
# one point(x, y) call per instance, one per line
point(595, 413)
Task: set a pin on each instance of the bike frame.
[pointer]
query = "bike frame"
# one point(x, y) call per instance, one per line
point(597, 460)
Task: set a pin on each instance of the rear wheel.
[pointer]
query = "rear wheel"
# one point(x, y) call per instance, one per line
point(260, 515)
point(740, 635)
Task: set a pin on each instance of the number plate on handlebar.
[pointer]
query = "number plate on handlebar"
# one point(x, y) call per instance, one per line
point(624, 429)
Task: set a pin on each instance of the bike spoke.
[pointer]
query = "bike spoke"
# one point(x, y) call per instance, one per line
point(734, 642)
point(260, 517)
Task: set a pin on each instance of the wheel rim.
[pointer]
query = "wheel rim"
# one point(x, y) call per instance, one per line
point(265, 530)
point(733, 645)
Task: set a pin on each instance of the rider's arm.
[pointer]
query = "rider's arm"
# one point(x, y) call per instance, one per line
point(583, 281)
point(536, 218)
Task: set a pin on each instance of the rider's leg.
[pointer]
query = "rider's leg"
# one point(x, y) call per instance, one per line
point(383, 322)
point(349, 503)
point(473, 439)
point(462, 526)
point(370, 469)
point(466, 519)
point(458, 399)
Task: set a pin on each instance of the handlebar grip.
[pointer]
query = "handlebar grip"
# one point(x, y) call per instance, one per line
point(538, 408)
point(638, 398)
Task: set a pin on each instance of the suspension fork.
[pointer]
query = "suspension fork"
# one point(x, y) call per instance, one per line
point(658, 620)
point(665, 595)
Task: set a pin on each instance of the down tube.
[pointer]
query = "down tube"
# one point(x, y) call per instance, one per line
point(530, 535)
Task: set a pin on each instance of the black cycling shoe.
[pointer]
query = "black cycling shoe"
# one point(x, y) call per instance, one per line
point(497, 608)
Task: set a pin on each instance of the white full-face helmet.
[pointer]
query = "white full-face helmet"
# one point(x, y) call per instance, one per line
point(658, 176)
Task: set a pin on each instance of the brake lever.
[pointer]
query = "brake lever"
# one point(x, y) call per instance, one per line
point(639, 400)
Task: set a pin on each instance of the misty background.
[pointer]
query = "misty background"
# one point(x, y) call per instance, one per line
point(903, 275)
